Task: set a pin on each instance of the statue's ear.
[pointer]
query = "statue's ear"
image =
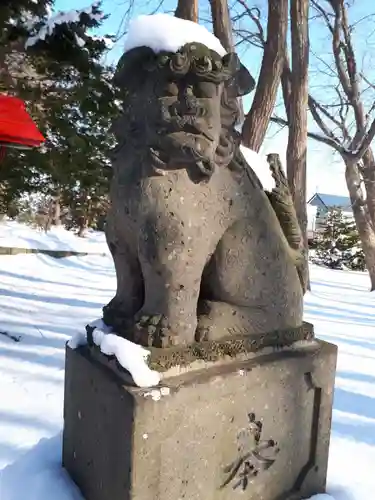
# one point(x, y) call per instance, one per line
point(131, 62)
point(242, 82)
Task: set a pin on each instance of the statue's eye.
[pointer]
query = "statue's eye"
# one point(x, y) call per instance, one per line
point(171, 89)
point(205, 90)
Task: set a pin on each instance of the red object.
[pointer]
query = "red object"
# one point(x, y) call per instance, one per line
point(17, 129)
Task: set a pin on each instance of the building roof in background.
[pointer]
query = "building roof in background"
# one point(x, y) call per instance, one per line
point(330, 201)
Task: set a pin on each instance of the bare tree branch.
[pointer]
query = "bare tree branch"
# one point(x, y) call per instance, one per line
point(317, 137)
point(315, 105)
point(254, 14)
point(354, 146)
point(343, 113)
point(365, 144)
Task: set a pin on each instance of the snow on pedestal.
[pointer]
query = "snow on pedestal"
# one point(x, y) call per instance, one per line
point(132, 357)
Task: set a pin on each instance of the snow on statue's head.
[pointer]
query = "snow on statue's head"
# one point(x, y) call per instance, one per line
point(180, 97)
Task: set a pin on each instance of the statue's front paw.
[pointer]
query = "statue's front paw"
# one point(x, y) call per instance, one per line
point(153, 330)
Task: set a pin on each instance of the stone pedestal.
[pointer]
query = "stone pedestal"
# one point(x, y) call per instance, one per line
point(255, 428)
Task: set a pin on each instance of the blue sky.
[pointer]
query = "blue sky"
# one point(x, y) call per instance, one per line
point(325, 169)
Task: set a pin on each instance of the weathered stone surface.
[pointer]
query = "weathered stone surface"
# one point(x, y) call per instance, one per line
point(204, 434)
point(209, 351)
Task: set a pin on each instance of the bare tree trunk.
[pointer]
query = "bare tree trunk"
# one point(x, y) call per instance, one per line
point(82, 226)
point(297, 108)
point(49, 216)
point(257, 120)
point(83, 220)
point(187, 9)
point(56, 216)
point(354, 146)
point(222, 25)
point(368, 174)
point(362, 219)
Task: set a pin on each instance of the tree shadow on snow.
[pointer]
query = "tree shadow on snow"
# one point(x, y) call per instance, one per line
point(41, 332)
point(357, 342)
point(338, 284)
point(344, 309)
point(362, 432)
point(356, 404)
point(345, 314)
point(71, 302)
point(24, 420)
point(85, 263)
point(357, 377)
point(55, 360)
point(35, 279)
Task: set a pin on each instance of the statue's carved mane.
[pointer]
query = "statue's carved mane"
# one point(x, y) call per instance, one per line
point(196, 60)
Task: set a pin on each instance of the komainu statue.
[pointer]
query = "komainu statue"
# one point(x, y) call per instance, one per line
point(201, 251)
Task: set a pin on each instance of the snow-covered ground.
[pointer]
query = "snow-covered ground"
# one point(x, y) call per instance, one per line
point(44, 301)
point(17, 235)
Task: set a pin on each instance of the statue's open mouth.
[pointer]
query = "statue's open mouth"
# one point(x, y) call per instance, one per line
point(195, 130)
point(189, 125)
point(190, 152)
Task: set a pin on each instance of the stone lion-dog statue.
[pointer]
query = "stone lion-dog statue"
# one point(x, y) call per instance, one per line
point(201, 251)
